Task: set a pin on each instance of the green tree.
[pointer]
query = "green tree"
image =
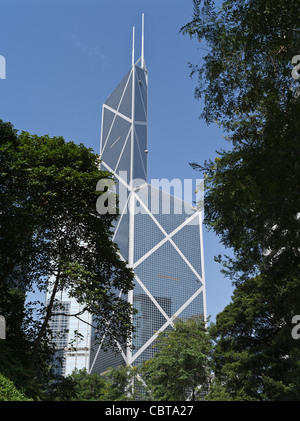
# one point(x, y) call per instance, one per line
point(180, 369)
point(124, 383)
point(252, 190)
point(255, 357)
point(9, 392)
point(78, 386)
point(13, 370)
point(52, 236)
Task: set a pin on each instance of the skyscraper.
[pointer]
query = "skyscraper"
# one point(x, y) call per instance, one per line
point(158, 234)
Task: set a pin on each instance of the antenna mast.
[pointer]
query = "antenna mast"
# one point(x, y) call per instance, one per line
point(143, 62)
point(133, 45)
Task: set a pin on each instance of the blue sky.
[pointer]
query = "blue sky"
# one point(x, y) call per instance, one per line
point(64, 58)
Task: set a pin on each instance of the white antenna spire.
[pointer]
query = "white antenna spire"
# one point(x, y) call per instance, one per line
point(133, 45)
point(143, 62)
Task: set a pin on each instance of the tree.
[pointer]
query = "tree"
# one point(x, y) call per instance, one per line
point(250, 45)
point(78, 386)
point(180, 369)
point(52, 235)
point(255, 357)
point(252, 190)
point(124, 383)
point(8, 391)
point(16, 348)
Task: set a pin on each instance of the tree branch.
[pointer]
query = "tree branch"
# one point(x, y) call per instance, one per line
point(42, 331)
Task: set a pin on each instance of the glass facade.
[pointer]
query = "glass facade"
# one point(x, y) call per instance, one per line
point(71, 335)
point(159, 235)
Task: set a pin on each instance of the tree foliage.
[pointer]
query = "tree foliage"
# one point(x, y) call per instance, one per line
point(51, 236)
point(116, 384)
point(252, 190)
point(78, 386)
point(9, 392)
point(124, 383)
point(256, 357)
point(250, 45)
point(180, 369)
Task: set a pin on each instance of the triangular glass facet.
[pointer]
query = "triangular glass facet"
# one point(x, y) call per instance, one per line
point(115, 141)
point(126, 103)
point(114, 99)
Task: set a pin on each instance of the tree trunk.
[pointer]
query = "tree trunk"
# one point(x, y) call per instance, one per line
point(42, 331)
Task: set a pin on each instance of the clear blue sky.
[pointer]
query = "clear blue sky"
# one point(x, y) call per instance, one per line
point(63, 59)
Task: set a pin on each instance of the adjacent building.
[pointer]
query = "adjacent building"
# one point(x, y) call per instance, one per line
point(71, 335)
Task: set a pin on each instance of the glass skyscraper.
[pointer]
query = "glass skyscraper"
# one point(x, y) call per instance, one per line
point(158, 234)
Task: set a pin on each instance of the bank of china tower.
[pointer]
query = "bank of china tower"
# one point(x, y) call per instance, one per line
point(159, 235)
